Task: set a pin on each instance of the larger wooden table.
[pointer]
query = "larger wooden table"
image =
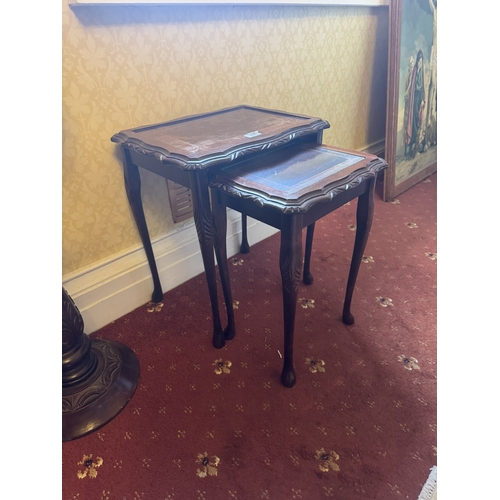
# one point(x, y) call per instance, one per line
point(186, 151)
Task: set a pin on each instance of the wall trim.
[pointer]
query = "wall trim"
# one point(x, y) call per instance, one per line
point(376, 148)
point(113, 287)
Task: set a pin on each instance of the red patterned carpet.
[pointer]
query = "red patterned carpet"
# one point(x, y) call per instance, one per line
point(207, 424)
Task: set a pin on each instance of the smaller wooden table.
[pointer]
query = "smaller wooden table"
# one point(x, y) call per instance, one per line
point(294, 187)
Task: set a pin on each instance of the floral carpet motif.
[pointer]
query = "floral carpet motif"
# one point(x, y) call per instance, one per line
point(208, 424)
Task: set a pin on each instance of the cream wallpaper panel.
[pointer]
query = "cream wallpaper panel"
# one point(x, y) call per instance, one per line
point(127, 66)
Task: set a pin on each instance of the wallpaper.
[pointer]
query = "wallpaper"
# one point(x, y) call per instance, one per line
point(130, 66)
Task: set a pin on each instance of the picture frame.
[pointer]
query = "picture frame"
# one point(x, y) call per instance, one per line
point(411, 123)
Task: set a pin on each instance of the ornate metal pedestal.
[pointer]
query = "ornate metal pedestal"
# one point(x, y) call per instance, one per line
point(99, 377)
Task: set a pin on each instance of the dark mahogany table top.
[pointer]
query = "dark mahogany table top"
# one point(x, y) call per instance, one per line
point(200, 141)
point(293, 177)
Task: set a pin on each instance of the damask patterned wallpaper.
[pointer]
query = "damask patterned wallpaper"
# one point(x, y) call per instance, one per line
point(130, 66)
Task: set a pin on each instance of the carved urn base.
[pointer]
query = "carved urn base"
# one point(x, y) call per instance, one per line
point(99, 377)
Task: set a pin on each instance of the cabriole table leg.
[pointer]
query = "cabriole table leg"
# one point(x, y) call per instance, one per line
point(133, 188)
point(202, 212)
point(291, 270)
point(220, 244)
point(364, 216)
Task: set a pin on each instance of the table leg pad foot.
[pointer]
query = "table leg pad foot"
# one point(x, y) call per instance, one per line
point(229, 332)
point(348, 319)
point(288, 378)
point(308, 279)
point(218, 340)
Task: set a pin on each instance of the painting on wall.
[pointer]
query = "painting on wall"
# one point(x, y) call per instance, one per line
point(411, 135)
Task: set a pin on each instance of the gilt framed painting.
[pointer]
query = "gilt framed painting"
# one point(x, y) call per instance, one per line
point(411, 130)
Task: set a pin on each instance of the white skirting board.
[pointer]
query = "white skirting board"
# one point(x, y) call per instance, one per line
point(109, 289)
